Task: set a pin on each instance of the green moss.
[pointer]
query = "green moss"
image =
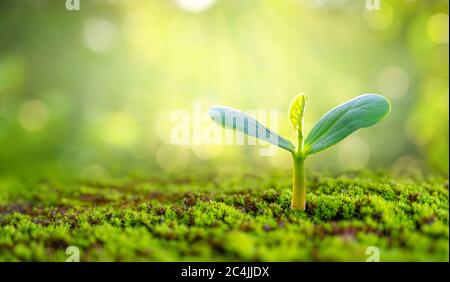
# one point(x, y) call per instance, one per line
point(210, 217)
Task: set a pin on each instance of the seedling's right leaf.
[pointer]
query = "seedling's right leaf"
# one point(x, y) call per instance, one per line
point(237, 120)
point(362, 111)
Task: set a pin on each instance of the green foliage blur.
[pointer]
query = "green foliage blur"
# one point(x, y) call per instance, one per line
point(91, 92)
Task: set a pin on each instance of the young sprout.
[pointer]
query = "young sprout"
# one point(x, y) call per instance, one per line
point(362, 111)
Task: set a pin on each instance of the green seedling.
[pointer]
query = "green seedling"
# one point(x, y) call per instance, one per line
point(362, 111)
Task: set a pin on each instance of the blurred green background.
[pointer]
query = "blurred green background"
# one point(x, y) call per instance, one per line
point(91, 92)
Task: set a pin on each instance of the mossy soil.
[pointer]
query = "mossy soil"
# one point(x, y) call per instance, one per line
point(235, 217)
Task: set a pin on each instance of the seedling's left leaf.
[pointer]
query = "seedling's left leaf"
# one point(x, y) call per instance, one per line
point(362, 111)
point(237, 120)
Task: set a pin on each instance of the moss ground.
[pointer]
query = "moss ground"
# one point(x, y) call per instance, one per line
point(230, 217)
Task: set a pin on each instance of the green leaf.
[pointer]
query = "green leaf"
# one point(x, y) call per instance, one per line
point(296, 111)
point(362, 111)
point(237, 120)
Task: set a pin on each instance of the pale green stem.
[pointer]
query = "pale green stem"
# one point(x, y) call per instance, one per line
point(299, 184)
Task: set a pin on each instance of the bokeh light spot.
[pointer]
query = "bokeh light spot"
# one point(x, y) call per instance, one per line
point(99, 35)
point(393, 82)
point(437, 28)
point(194, 6)
point(33, 115)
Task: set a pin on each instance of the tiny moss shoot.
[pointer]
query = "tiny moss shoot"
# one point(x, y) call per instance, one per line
point(360, 112)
